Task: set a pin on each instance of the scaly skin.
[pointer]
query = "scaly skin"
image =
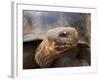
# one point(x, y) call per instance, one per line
point(56, 41)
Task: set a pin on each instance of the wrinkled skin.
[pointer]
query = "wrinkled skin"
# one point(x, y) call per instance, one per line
point(60, 48)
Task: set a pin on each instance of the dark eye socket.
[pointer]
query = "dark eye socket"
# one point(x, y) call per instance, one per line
point(63, 34)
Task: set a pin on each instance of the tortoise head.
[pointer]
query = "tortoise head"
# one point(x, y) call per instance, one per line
point(56, 41)
point(63, 36)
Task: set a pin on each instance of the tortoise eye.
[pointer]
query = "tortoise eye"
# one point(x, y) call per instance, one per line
point(63, 34)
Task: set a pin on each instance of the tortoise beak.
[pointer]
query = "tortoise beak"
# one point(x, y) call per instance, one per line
point(83, 44)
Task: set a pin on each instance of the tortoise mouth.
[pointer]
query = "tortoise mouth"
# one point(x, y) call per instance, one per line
point(78, 43)
point(70, 45)
point(67, 43)
point(66, 46)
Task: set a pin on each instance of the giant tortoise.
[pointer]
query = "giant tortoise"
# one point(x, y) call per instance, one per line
point(55, 39)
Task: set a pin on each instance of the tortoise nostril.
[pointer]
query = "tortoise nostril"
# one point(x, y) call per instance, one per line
point(64, 34)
